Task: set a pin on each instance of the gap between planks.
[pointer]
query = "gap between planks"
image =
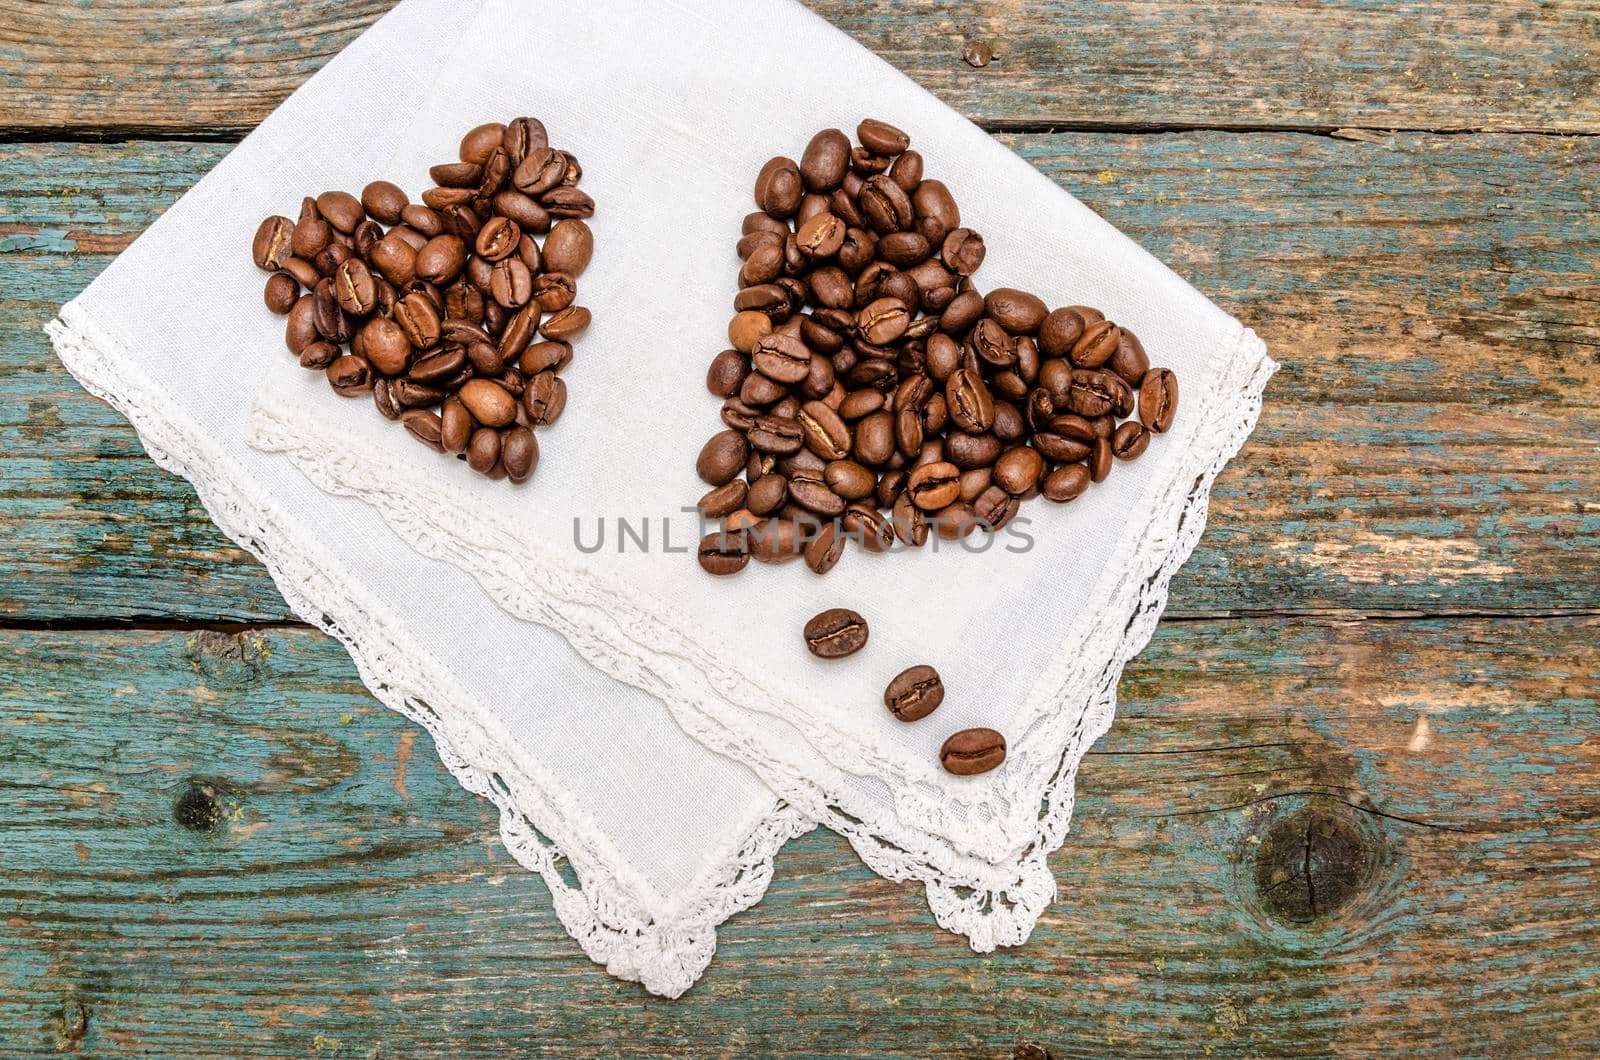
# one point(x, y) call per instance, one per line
point(227, 134)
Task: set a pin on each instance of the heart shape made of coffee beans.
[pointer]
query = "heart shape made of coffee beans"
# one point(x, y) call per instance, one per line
point(872, 393)
point(438, 309)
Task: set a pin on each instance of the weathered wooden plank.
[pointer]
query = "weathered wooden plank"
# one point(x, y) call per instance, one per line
point(350, 900)
point(1429, 445)
point(140, 65)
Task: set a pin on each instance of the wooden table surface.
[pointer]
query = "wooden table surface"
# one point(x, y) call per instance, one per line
point(1352, 797)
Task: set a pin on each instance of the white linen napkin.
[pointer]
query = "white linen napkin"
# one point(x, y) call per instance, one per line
point(562, 684)
point(672, 108)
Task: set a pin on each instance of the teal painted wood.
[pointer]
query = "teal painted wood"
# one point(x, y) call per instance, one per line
point(1427, 447)
point(1419, 64)
point(350, 900)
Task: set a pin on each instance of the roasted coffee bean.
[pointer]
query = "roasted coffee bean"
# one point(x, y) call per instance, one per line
point(875, 442)
point(915, 693)
point(723, 500)
point(483, 450)
point(910, 525)
point(304, 273)
point(849, 479)
point(748, 328)
point(383, 400)
point(1017, 311)
point(966, 450)
point(1059, 332)
point(825, 161)
point(424, 427)
point(934, 486)
point(881, 138)
point(994, 508)
point(480, 142)
point(813, 495)
point(1158, 399)
point(318, 355)
point(884, 321)
point(826, 433)
point(332, 323)
point(333, 255)
point(885, 205)
point(519, 452)
point(1090, 394)
point(566, 324)
point(864, 524)
point(723, 553)
point(281, 292)
point(455, 429)
point(521, 136)
point(441, 259)
point(1018, 470)
point(395, 259)
point(972, 751)
point(823, 551)
point(835, 633)
point(1009, 425)
point(727, 371)
point(963, 250)
point(384, 201)
point(781, 358)
point(489, 402)
point(544, 399)
point(767, 494)
point(545, 357)
point(975, 481)
point(310, 237)
point(991, 343)
point(971, 406)
point(776, 434)
point(568, 247)
point(354, 287)
point(722, 457)
point(385, 345)
point(1130, 440)
point(782, 538)
point(409, 393)
point(554, 291)
point(350, 375)
point(779, 187)
point(1130, 362)
point(510, 283)
point(456, 174)
point(1096, 345)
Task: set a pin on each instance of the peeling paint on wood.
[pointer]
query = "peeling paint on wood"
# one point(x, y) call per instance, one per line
point(1260, 862)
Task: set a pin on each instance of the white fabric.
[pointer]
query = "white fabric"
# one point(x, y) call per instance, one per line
point(671, 109)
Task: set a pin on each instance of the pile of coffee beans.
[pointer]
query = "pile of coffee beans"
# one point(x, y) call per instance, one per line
point(437, 309)
point(912, 695)
point(873, 393)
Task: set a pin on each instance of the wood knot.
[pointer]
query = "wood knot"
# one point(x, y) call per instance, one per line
point(1032, 1051)
point(1310, 864)
point(200, 806)
point(228, 658)
point(71, 1023)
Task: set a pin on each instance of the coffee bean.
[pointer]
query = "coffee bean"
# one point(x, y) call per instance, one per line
point(384, 201)
point(723, 553)
point(1158, 399)
point(779, 187)
point(489, 402)
point(782, 358)
point(722, 457)
point(823, 551)
point(455, 429)
point(1130, 362)
point(1130, 440)
point(566, 324)
point(568, 247)
point(825, 161)
point(972, 751)
point(1096, 345)
point(963, 250)
point(281, 292)
point(881, 138)
point(991, 343)
point(835, 633)
point(384, 343)
point(544, 399)
point(318, 355)
point(915, 693)
point(483, 450)
point(519, 452)
point(934, 486)
point(723, 500)
point(1018, 470)
point(971, 406)
point(780, 539)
